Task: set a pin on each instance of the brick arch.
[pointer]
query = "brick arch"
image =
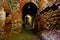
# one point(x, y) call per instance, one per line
point(35, 3)
point(32, 11)
point(23, 3)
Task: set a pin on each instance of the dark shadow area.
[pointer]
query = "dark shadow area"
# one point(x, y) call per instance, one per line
point(29, 8)
point(7, 14)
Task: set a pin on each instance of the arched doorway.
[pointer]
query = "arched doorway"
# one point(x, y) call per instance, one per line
point(29, 11)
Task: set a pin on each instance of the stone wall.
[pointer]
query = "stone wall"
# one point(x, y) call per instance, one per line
point(17, 22)
point(45, 3)
point(11, 23)
point(47, 19)
point(2, 23)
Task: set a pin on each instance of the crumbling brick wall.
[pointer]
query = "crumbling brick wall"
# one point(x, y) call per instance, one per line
point(47, 19)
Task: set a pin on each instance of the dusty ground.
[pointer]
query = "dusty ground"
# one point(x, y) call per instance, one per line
point(22, 36)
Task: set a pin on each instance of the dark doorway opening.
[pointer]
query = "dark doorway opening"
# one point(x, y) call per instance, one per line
point(7, 13)
point(29, 9)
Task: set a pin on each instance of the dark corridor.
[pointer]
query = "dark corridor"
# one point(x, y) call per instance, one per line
point(29, 11)
point(29, 8)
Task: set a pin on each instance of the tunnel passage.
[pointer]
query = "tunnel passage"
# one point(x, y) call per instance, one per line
point(29, 11)
point(29, 8)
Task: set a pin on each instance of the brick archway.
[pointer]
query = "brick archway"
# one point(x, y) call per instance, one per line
point(29, 9)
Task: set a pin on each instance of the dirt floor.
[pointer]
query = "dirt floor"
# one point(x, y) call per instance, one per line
point(22, 36)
